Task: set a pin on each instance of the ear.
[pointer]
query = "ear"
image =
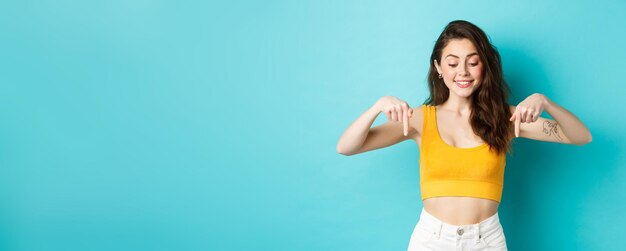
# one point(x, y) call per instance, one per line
point(437, 66)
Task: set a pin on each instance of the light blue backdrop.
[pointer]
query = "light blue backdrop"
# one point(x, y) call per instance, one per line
point(187, 125)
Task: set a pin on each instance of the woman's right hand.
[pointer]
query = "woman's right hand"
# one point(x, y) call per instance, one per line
point(396, 110)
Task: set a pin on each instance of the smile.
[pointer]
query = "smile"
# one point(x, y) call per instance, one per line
point(464, 84)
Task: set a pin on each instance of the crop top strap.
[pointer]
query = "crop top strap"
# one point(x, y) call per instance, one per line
point(429, 127)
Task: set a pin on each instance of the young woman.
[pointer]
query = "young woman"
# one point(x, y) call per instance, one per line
point(463, 130)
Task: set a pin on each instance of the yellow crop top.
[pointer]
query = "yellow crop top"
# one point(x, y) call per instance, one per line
point(446, 170)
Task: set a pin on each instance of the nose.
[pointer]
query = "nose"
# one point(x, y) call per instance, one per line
point(462, 70)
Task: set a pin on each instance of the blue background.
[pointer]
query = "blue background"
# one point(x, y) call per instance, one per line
point(192, 125)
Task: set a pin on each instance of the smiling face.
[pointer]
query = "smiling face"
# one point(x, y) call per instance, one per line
point(461, 67)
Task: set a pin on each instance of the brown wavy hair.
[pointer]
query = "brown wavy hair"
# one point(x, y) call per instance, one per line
point(490, 111)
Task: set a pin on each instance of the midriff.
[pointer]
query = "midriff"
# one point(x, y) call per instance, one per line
point(460, 210)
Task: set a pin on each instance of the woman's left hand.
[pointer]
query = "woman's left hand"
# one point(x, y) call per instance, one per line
point(529, 110)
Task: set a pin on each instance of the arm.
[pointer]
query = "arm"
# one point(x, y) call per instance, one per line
point(360, 138)
point(564, 128)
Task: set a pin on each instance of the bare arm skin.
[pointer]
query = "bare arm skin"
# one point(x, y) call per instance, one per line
point(359, 137)
point(564, 128)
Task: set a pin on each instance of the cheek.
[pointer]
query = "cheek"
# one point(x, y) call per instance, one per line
point(477, 72)
point(449, 73)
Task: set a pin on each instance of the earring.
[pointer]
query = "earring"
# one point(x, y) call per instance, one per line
point(440, 75)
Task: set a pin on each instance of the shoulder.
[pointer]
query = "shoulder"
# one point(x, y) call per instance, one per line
point(421, 108)
point(417, 120)
point(418, 111)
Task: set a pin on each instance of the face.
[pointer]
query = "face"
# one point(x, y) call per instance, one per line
point(461, 67)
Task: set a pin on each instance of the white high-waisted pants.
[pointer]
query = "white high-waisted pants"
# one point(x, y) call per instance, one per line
point(430, 233)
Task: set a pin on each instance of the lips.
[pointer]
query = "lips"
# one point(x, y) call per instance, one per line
point(464, 83)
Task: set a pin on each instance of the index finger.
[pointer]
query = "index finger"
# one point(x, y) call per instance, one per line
point(405, 121)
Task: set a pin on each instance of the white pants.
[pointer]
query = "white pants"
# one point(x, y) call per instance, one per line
point(430, 233)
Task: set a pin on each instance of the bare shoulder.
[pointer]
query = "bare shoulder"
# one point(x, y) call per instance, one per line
point(416, 122)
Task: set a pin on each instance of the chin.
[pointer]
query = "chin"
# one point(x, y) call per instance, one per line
point(464, 93)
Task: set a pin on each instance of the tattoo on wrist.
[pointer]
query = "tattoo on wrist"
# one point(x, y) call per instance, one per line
point(550, 129)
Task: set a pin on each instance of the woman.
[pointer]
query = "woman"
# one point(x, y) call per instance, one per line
point(463, 131)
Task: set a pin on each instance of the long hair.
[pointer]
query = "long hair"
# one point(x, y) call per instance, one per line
point(490, 111)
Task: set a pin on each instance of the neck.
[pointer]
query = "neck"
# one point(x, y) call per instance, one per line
point(460, 105)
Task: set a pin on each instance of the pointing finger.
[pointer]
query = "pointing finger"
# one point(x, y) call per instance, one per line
point(405, 121)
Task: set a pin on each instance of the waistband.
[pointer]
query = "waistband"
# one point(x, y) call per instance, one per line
point(470, 231)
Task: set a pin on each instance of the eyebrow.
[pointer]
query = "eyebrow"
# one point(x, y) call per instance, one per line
point(468, 55)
